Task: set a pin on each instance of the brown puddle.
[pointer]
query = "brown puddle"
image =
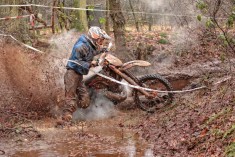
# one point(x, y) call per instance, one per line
point(180, 84)
point(91, 141)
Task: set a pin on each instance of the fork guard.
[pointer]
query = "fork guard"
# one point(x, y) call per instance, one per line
point(130, 64)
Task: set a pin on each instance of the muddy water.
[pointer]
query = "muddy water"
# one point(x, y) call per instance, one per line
point(95, 139)
point(180, 84)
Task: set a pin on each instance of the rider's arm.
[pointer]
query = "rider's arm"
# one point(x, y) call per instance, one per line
point(103, 50)
point(81, 58)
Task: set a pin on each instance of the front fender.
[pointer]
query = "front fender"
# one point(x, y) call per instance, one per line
point(130, 64)
point(92, 73)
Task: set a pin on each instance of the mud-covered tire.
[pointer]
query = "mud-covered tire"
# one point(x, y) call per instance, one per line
point(162, 85)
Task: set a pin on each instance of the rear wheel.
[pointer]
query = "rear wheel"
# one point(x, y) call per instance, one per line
point(155, 82)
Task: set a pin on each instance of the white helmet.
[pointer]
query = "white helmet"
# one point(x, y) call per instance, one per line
point(97, 33)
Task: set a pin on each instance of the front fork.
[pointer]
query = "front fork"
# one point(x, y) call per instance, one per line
point(148, 95)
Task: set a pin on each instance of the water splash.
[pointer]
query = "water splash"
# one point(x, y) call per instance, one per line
point(100, 108)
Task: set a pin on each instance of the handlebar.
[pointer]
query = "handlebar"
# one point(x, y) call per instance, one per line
point(102, 56)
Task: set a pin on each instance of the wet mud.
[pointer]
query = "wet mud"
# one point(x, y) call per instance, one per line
point(103, 138)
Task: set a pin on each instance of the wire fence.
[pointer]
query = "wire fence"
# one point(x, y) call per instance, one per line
point(147, 20)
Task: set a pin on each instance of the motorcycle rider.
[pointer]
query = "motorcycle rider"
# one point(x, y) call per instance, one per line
point(84, 50)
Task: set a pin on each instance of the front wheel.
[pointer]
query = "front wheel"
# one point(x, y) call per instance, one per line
point(155, 82)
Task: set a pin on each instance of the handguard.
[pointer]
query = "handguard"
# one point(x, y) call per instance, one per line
point(102, 56)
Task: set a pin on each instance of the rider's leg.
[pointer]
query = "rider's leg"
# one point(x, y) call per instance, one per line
point(71, 81)
point(84, 101)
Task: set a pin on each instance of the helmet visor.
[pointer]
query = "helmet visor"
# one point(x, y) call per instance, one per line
point(106, 36)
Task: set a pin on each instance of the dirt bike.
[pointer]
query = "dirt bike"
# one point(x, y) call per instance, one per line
point(114, 68)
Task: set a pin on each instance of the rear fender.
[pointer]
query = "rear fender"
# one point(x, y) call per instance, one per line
point(131, 64)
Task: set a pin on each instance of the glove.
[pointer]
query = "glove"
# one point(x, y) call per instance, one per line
point(94, 63)
point(104, 50)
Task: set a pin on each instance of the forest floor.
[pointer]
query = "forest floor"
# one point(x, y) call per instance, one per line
point(199, 123)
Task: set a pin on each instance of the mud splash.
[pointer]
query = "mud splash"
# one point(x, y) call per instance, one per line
point(29, 80)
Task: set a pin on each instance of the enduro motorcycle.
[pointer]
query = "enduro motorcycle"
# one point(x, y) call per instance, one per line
point(115, 69)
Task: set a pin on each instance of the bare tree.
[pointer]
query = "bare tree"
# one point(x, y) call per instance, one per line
point(133, 12)
point(118, 26)
point(81, 15)
point(107, 25)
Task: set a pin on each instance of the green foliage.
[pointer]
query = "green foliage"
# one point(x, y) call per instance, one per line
point(199, 17)
point(163, 35)
point(57, 29)
point(217, 133)
point(232, 40)
point(90, 17)
point(163, 41)
point(150, 36)
point(221, 37)
point(222, 57)
point(209, 23)
point(226, 40)
point(91, 7)
point(201, 5)
point(215, 116)
point(230, 22)
point(76, 3)
point(76, 22)
point(102, 20)
point(61, 17)
point(230, 150)
point(61, 5)
point(229, 132)
point(222, 26)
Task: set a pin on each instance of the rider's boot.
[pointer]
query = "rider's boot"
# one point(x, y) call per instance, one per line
point(67, 115)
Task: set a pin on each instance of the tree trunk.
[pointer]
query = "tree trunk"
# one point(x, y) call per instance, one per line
point(107, 28)
point(150, 22)
point(81, 23)
point(53, 17)
point(136, 22)
point(82, 15)
point(118, 28)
